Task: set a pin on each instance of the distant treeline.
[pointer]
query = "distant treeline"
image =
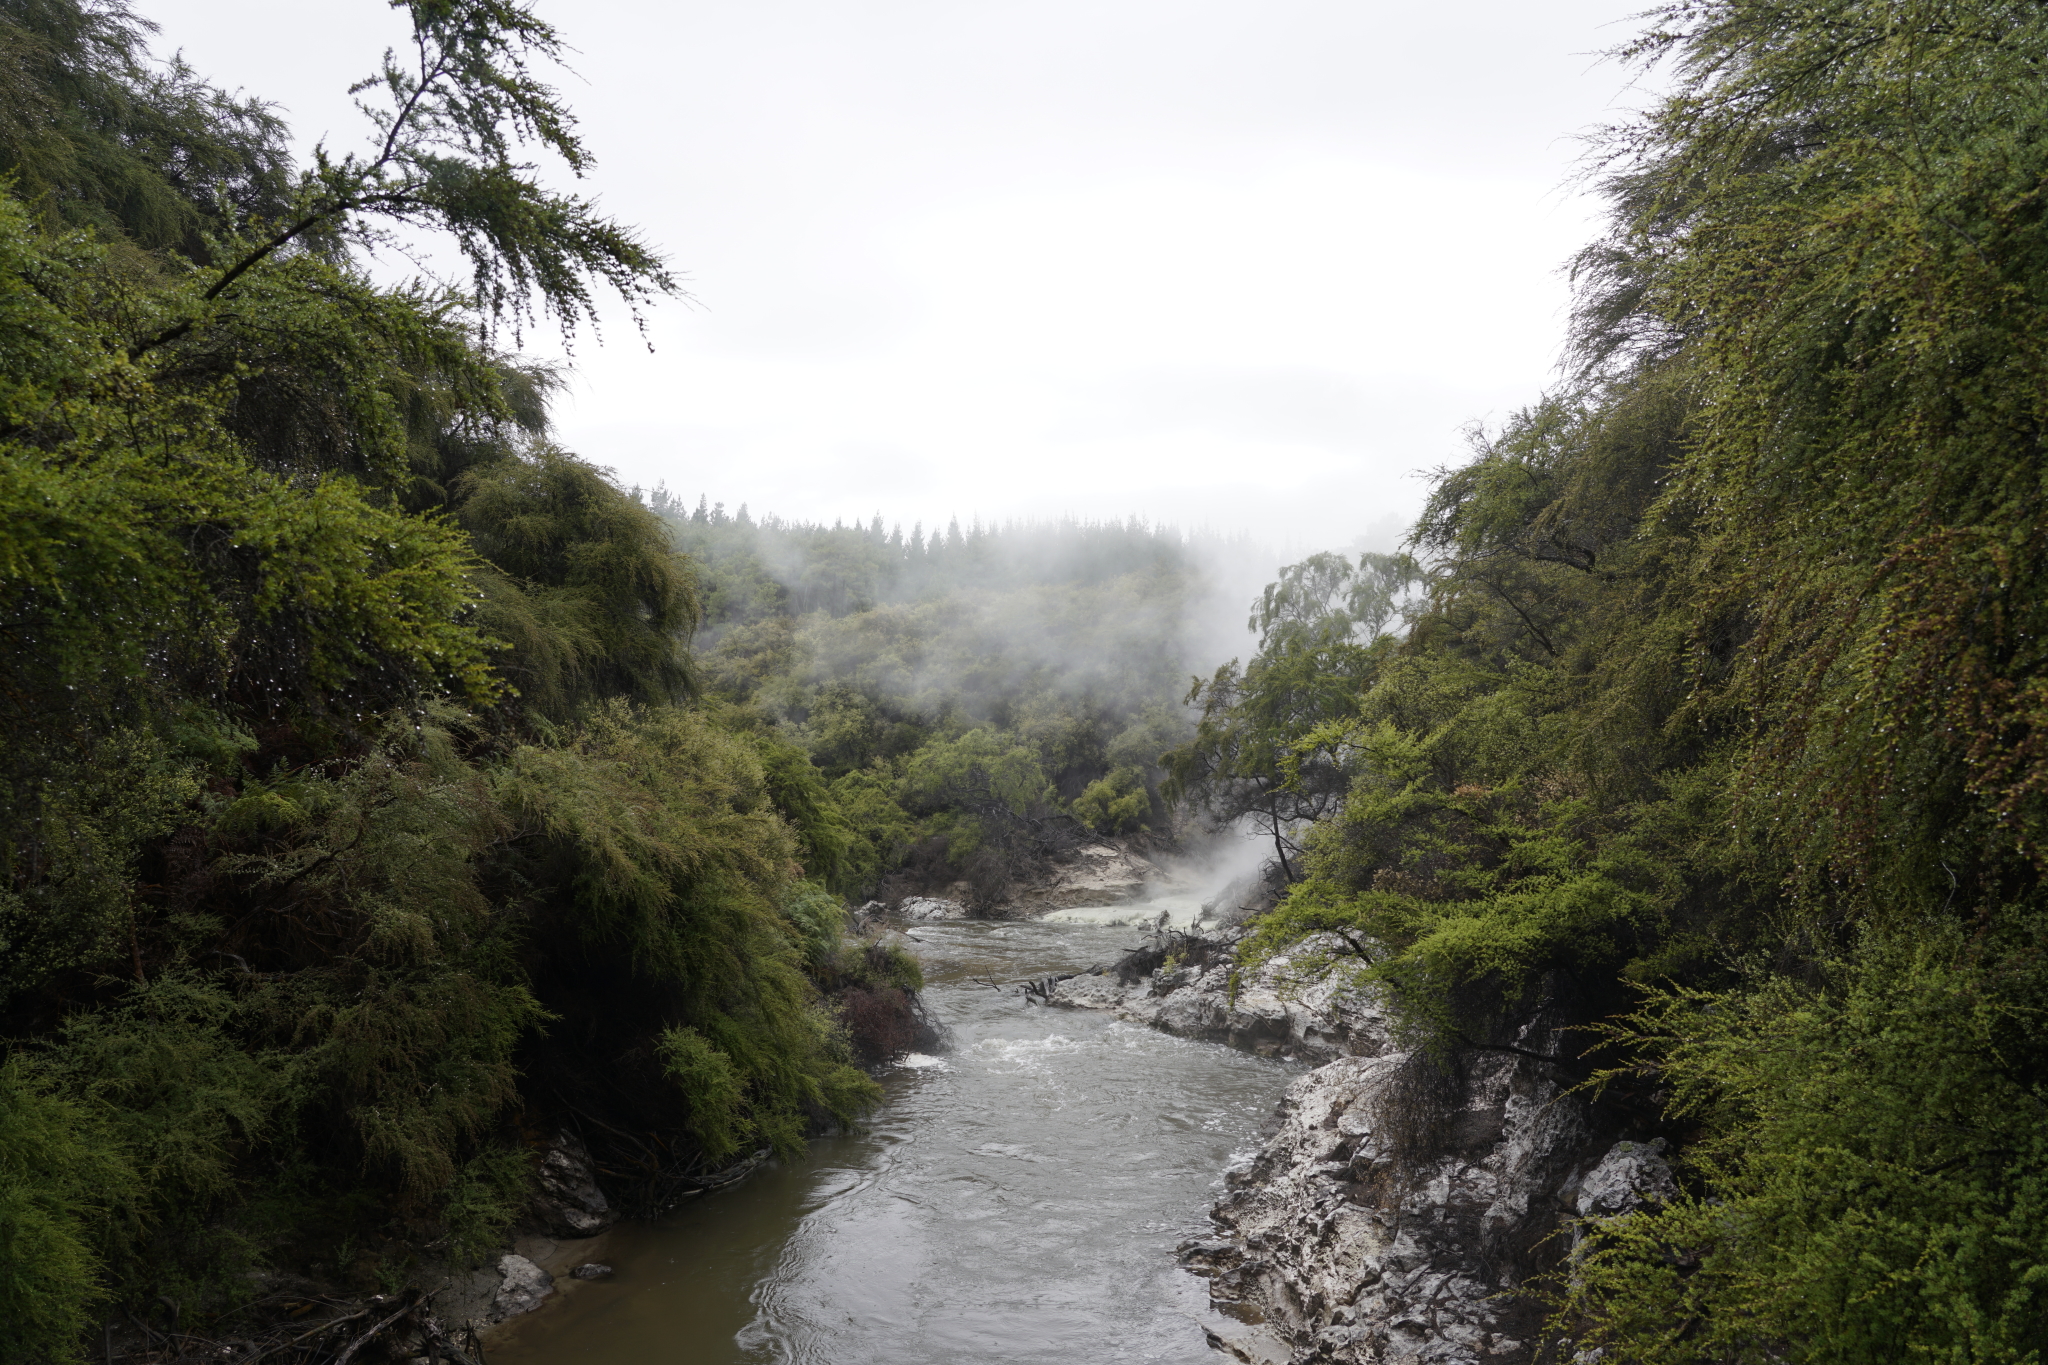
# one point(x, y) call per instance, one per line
point(774, 567)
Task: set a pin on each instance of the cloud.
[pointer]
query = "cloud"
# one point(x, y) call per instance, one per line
point(1239, 263)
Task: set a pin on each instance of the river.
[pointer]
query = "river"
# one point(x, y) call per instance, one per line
point(1016, 1198)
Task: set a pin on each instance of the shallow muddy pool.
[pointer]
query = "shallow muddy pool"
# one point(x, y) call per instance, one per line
point(1017, 1198)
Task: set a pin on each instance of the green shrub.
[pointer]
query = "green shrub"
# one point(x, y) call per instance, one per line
point(713, 1088)
point(66, 1189)
point(487, 1196)
point(1870, 1174)
point(1116, 804)
point(817, 917)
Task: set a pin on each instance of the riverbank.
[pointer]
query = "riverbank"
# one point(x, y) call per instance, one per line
point(1392, 1207)
point(1400, 1207)
point(1017, 1197)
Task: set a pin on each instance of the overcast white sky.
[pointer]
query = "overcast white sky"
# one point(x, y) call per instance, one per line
point(1245, 264)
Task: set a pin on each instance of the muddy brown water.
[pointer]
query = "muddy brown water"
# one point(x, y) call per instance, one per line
point(1017, 1198)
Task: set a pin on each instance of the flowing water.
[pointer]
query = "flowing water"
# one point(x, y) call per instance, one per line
point(1017, 1198)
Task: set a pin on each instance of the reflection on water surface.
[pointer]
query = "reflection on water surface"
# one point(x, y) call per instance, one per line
point(1016, 1199)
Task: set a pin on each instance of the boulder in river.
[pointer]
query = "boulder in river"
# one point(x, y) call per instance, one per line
point(931, 907)
point(524, 1287)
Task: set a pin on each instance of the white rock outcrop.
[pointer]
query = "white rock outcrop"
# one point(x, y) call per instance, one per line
point(1633, 1175)
point(524, 1287)
point(1398, 1204)
point(931, 907)
point(1276, 1010)
point(1383, 1223)
point(1095, 874)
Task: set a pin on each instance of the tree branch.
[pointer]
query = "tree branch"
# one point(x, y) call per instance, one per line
point(1515, 607)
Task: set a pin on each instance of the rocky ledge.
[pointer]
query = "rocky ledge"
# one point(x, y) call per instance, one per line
point(1398, 1211)
point(1399, 1203)
point(1280, 1009)
point(1104, 873)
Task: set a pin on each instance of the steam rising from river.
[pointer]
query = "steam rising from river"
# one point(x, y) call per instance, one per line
point(1204, 893)
point(1072, 643)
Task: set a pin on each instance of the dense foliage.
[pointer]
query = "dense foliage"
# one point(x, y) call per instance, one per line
point(1718, 728)
point(356, 824)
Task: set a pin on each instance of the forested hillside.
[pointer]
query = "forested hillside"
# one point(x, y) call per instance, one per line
point(1719, 728)
point(357, 822)
point(977, 702)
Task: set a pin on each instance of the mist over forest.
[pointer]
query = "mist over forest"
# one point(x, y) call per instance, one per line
point(1050, 660)
point(386, 792)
